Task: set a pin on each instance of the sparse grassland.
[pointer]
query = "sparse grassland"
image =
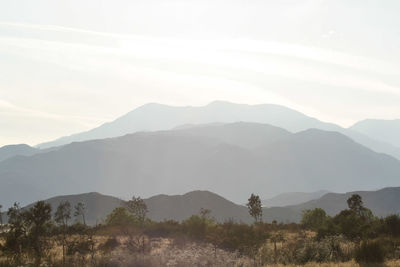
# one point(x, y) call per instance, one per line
point(354, 237)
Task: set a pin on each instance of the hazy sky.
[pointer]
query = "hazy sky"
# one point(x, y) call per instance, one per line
point(69, 65)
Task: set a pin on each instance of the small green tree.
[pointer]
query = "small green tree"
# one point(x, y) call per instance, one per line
point(38, 219)
point(80, 211)
point(355, 203)
point(255, 208)
point(313, 219)
point(61, 217)
point(16, 238)
point(138, 208)
point(120, 216)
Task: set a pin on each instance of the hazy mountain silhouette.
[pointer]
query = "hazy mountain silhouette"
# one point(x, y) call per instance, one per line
point(10, 151)
point(168, 207)
point(242, 134)
point(155, 117)
point(178, 161)
point(382, 202)
point(179, 207)
point(97, 206)
point(292, 198)
point(384, 130)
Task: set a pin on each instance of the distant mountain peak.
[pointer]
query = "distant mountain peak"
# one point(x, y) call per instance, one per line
point(159, 117)
point(384, 130)
point(10, 151)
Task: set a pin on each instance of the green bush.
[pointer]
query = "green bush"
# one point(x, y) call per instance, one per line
point(121, 216)
point(196, 227)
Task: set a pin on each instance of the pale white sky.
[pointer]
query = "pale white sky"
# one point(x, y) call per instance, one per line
point(67, 66)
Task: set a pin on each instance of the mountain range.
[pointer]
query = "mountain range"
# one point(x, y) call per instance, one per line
point(233, 160)
point(17, 150)
point(180, 207)
point(156, 117)
point(383, 130)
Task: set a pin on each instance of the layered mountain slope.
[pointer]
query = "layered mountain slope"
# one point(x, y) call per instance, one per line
point(383, 130)
point(174, 162)
point(10, 151)
point(180, 207)
point(155, 117)
point(168, 207)
point(242, 134)
point(292, 198)
point(382, 202)
point(97, 206)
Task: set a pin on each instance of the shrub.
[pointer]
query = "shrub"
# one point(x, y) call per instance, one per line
point(370, 252)
point(392, 225)
point(313, 219)
point(120, 216)
point(162, 229)
point(109, 245)
point(196, 227)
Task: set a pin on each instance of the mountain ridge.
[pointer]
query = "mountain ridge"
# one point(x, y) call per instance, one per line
point(383, 130)
point(158, 117)
point(162, 207)
point(176, 161)
point(10, 151)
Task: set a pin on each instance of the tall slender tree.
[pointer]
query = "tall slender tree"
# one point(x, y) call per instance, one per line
point(80, 211)
point(138, 208)
point(15, 239)
point(1, 215)
point(61, 217)
point(255, 208)
point(38, 219)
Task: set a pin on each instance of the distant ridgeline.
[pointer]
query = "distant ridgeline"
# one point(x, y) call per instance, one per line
point(180, 207)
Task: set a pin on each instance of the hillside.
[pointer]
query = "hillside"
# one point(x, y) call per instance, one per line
point(161, 207)
point(383, 130)
point(97, 206)
point(155, 117)
point(10, 151)
point(382, 202)
point(242, 134)
point(292, 198)
point(179, 207)
point(174, 162)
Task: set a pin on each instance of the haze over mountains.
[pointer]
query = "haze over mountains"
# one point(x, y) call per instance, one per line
point(16, 150)
point(383, 130)
point(155, 117)
point(292, 198)
point(216, 157)
point(382, 202)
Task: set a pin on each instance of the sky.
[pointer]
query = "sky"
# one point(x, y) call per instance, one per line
point(67, 66)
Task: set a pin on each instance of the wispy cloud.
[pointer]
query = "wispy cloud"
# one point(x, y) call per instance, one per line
point(131, 69)
point(9, 109)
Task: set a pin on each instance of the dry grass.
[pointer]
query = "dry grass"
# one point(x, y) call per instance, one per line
point(395, 263)
point(181, 253)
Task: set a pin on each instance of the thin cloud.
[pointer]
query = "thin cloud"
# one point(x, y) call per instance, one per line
point(313, 53)
point(7, 108)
